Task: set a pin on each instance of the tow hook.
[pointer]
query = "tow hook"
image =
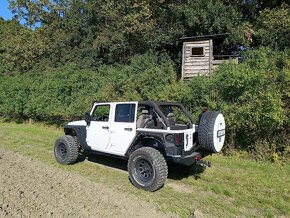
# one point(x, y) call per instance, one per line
point(204, 163)
point(200, 167)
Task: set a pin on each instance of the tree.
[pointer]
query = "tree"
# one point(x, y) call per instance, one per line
point(20, 47)
point(273, 27)
point(212, 17)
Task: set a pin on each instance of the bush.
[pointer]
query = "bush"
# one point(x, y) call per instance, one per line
point(148, 77)
point(67, 92)
point(254, 97)
point(273, 27)
point(60, 94)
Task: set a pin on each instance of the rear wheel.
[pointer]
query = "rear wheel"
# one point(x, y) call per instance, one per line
point(147, 169)
point(66, 150)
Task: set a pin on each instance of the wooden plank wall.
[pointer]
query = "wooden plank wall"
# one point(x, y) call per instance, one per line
point(196, 65)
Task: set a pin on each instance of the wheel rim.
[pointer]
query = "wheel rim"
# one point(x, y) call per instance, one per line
point(143, 171)
point(62, 151)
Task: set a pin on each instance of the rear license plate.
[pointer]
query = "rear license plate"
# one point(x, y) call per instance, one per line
point(221, 133)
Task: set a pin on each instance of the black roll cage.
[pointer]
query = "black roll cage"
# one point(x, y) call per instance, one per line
point(156, 107)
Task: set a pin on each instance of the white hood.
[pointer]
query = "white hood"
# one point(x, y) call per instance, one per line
point(77, 123)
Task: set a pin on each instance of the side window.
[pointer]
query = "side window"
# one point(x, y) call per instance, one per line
point(101, 113)
point(125, 113)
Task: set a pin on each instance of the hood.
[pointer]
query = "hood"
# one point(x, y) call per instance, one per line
point(77, 123)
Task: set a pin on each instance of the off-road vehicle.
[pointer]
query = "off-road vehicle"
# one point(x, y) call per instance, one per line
point(149, 134)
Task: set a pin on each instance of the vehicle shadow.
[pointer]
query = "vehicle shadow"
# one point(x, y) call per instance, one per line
point(178, 172)
point(108, 161)
point(175, 171)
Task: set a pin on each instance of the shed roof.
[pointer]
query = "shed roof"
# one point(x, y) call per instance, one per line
point(205, 37)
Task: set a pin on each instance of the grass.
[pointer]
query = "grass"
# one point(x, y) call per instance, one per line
point(233, 186)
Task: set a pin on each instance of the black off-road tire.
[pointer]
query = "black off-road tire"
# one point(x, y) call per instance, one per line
point(66, 150)
point(207, 132)
point(147, 169)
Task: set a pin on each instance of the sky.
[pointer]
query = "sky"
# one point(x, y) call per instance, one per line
point(4, 11)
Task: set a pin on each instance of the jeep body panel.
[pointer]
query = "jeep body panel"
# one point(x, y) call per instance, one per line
point(114, 133)
point(77, 123)
point(78, 131)
point(164, 140)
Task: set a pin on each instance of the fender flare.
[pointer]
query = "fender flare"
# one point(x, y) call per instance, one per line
point(80, 133)
point(157, 137)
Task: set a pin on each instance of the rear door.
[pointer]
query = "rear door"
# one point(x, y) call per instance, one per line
point(123, 127)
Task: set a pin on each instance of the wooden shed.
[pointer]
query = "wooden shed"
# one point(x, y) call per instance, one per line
point(198, 55)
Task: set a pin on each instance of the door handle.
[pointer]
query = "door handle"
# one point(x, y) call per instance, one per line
point(128, 129)
point(105, 127)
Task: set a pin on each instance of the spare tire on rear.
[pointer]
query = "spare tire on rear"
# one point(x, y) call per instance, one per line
point(211, 131)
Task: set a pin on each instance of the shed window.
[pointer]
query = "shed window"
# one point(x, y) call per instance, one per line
point(197, 51)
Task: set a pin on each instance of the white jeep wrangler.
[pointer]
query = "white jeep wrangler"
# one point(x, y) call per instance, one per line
point(149, 134)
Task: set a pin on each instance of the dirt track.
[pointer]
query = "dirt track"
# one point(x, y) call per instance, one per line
point(29, 188)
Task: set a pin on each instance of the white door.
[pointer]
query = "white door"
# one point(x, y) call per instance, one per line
point(98, 132)
point(123, 127)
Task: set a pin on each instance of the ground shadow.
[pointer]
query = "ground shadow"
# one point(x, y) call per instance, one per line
point(112, 162)
point(81, 158)
point(178, 172)
point(175, 171)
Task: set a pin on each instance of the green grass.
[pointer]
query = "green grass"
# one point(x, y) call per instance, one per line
point(233, 186)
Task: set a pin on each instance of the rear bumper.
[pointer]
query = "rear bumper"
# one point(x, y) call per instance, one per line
point(187, 160)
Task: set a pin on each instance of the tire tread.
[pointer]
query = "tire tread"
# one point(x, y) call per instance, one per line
point(72, 147)
point(205, 130)
point(159, 164)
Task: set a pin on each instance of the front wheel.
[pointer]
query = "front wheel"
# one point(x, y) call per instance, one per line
point(66, 150)
point(147, 169)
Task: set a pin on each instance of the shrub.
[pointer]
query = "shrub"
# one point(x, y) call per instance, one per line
point(254, 97)
point(148, 77)
point(65, 93)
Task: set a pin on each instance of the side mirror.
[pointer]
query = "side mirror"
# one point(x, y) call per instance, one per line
point(88, 118)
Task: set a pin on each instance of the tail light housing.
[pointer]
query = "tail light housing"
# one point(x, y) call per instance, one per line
point(198, 157)
point(178, 140)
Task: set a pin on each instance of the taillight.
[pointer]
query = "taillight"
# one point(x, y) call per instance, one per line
point(178, 139)
point(198, 157)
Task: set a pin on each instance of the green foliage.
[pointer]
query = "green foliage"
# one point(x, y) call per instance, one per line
point(67, 92)
point(254, 97)
point(274, 27)
point(211, 17)
point(63, 93)
point(20, 48)
point(148, 77)
point(93, 33)
point(60, 94)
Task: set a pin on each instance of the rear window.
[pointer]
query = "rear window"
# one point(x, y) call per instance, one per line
point(175, 113)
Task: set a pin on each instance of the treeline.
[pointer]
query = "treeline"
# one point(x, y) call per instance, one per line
point(93, 33)
point(69, 53)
